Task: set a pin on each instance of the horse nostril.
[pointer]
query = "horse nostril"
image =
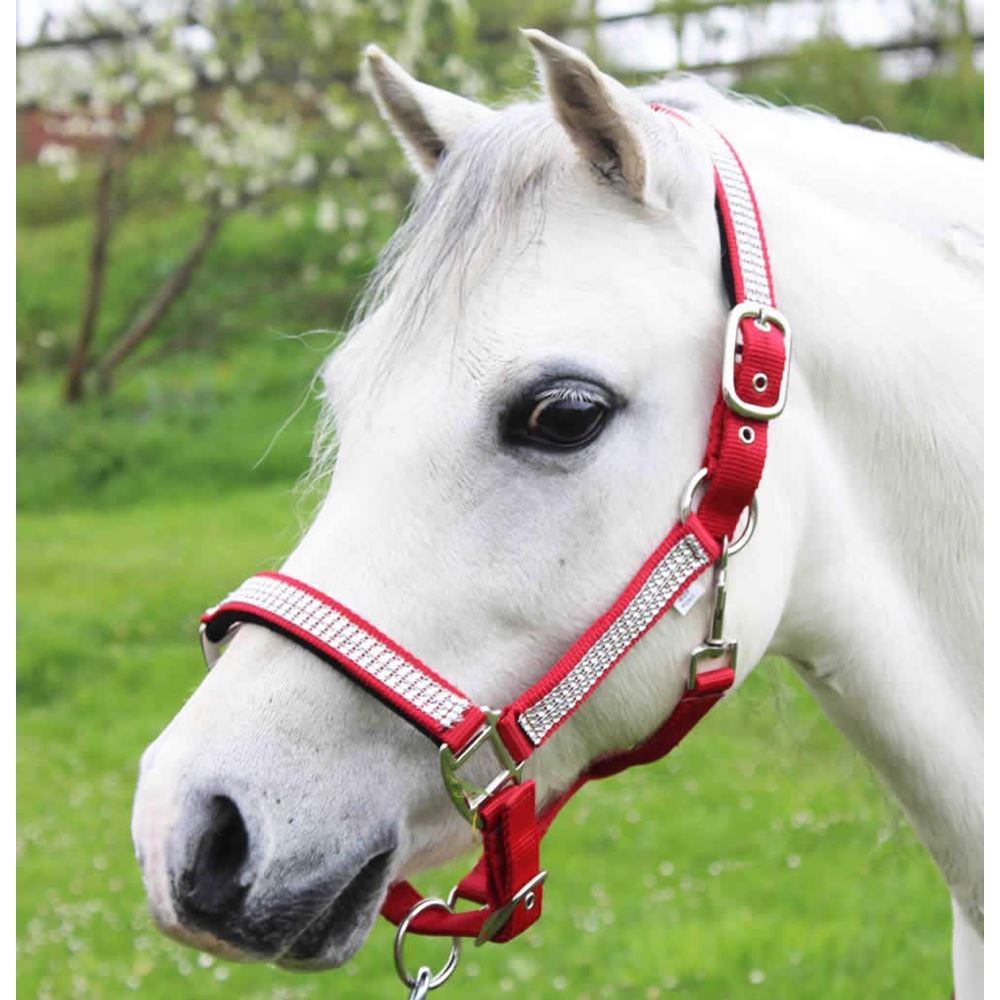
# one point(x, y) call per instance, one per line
point(210, 886)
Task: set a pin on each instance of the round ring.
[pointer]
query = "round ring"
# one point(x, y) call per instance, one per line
point(687, 505)
point(397, 946)
point(687, 497)
point(740, 542)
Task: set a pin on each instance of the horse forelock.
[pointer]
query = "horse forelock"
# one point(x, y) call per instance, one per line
point(489, 187)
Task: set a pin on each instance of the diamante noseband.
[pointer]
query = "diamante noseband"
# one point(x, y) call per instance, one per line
point(505, 886)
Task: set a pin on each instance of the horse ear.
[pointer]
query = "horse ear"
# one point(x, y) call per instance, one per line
point(424, 119)
point(607, 123)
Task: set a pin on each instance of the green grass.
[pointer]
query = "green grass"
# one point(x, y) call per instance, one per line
point(763, 846)
point(761, 859)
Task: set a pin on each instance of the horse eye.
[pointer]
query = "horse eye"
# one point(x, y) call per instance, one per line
point(562, 416)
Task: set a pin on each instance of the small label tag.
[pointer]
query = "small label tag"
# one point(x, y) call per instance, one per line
point(689, 597)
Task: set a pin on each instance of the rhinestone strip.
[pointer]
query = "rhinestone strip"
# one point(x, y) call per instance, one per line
point(749, 241)
point(662, 586)
point(347, 639)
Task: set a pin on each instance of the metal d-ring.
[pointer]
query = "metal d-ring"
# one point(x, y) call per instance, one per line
point(398, 955)
point(740, 542)
point(687, 505)
point(687, 497)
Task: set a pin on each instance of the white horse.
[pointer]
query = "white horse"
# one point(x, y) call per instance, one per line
point(568, 250)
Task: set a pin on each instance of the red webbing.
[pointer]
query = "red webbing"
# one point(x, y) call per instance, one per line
point(509, 861)
point(220, 619)
point(734, 466)
point(517, 742)
point(512, 832)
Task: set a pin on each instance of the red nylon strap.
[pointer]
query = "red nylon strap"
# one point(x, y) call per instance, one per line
point(356, 648)
point(512, 832)
point(508, 863)
point(734, 465)
point(518, 743)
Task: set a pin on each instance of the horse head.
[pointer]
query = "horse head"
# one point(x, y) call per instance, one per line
point(513, 417)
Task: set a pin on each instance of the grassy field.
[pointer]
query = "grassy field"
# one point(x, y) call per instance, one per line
point(762, 859)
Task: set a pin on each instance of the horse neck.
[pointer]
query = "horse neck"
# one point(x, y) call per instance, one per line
point(876, 468)
point(888, 372)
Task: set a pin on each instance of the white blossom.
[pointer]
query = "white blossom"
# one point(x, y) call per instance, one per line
point(327, 215)
point(63, 159)
point(355, 218)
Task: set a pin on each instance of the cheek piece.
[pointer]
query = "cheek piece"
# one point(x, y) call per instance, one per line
point(505, 886)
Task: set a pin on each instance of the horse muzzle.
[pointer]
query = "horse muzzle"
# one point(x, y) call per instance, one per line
point(215, 880)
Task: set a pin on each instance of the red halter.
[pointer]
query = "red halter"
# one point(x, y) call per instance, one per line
point(506, 883)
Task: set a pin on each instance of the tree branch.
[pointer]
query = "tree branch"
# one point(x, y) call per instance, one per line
point(153, 313)
point(104, 223)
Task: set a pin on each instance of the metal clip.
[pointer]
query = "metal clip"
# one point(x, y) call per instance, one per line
point(213, 650)
point(716, 645)
point(467, 797)
point(422, 984)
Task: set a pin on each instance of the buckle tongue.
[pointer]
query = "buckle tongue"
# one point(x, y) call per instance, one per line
point(466, 796)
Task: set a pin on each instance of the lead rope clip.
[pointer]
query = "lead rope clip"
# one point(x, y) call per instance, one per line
point(716, 645)
point(421, 984)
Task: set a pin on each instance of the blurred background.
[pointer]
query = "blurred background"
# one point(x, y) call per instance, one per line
point(202, 187)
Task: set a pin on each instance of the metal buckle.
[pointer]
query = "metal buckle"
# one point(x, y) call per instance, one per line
point(715, 645)
point(213, 650)
point(467, 797)
point(762, 314)
point(499, 919)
